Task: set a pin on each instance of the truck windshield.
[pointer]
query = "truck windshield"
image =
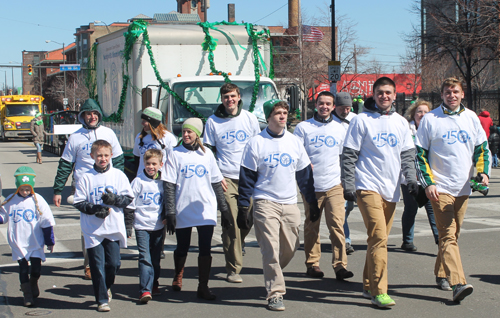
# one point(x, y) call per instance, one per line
point(21, 109)
point(204, 97)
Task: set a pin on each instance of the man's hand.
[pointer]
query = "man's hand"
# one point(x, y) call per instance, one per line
point(224, 185)
point(350, 196)
point(129, 232)
point(243, 219)
point(485, 180)
point(314, 212)
point(226, 220)
point(109, 197)
point(432, 193)
point(57, 200)
point(100, 211)
point(413, 188)
point(50, 248)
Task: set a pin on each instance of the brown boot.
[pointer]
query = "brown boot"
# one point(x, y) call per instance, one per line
point(34, 286)
point(179, 272)
point(204, 267)
point(28, 295)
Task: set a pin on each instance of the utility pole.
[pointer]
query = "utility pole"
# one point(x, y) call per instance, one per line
point(333, 65)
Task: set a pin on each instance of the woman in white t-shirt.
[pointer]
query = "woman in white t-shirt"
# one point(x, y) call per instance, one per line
point(193, 191)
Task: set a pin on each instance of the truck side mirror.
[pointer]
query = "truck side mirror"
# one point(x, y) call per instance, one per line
point(147, 97)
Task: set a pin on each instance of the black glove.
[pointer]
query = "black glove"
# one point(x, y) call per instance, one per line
point(226, 220)
point(314, 211)
point(413, 188)
point(350, 196)
point(129, 232)
point(100, 211)
point(171, 223)
point(108, 197)
point(244, 220)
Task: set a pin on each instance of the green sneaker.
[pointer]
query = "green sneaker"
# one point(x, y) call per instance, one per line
point(383, 300)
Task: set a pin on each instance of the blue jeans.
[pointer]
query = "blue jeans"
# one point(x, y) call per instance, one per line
point(495, 160)
point(24, 269)
point(38, 147)
point(104, 262)
point(409, 213)
point(349, 206)
point(149, 246)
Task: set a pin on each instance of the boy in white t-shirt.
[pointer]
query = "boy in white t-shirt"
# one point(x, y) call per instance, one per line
point(101, 194)
point(450, 140)
point(378, 147)
point(148, 221)
point(273, 163)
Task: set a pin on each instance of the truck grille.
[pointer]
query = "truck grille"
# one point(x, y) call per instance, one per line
point(25, 126)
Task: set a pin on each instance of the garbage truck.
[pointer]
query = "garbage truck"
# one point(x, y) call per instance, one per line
point(179, 68)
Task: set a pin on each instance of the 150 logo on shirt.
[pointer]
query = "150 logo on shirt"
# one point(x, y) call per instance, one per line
point(231, 136)
point(383, 138)
point(321, 140)
point(192, 170)
point(275, 159)
point(452, 136)
point(98, 191)
point(150, 197)
point(21, 214)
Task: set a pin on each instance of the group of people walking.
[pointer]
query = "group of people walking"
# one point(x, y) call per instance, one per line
point(336, 158)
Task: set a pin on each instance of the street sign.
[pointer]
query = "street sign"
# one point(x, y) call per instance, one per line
point(334, 71)
point(69, 67)
point(65, 101)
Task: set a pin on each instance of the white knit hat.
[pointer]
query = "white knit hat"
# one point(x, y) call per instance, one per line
point(195, 124)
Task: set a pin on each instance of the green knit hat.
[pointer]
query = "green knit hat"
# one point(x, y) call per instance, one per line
point(25, 176)
point(195, 124)
point(269, 105)
point(153, 115)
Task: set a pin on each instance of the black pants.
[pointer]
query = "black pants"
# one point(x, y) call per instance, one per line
point(205, 234)
point(24, 269)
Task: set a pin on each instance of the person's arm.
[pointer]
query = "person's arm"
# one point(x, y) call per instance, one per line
point(32, 128)
point(129, 215)
point(348, 162)
point(226, 217)
point(482, 160)
point(305, 181)
point(246, 185)
point(120, 201)
point(119, 162)
point(408, 170)
point(169, 206)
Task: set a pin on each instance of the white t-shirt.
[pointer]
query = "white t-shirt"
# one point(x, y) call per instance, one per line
point(193, 172)
point(349, 118)
point(148, 203)
point(25, 233)
point(323, 143)
point(169, 141)
point(229, 136)
point(450, 141)
point(275, 160)
point(90, 188)
point(380, 139)
point(79, 144)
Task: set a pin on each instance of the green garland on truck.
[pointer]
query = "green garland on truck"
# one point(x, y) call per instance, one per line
point(139, 27)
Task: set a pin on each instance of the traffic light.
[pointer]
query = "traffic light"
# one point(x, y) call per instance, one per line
point(30, 70)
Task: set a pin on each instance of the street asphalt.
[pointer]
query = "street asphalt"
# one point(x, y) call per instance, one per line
point(64, 292)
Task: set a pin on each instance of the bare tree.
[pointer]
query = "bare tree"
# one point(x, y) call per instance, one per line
point(76, 91)
point(411, 62)
point(463, 31)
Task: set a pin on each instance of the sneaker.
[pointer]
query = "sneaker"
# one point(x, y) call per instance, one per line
point(367, 294)
point(409, 247)
point(343, 274)
point(103, 307)
point(276, 303)
point(443, 283)
point(145, 297)
point(156, 291)
point(110, 295)
point(315, 272)
point(234, 278)
point(87, 276)
point(349, 249)
point(383, 300)
point(461, 291)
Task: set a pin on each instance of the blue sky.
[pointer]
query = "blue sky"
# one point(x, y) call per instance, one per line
point(26, 25)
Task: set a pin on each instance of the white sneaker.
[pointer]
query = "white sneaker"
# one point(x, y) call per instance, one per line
point(110, 295)
point(103, 307)
point(234, 278)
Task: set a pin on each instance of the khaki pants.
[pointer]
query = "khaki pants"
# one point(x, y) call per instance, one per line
point(449, 212)
point(277, 231)
point(233, 238)
point(378, 215)
point(333, 203)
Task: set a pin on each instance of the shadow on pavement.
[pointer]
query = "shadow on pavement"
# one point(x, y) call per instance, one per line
point(492, 279)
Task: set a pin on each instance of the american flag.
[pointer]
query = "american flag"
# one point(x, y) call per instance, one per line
point(311, 34)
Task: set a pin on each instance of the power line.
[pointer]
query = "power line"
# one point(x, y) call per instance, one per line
point(286, 3)
point(37, 24)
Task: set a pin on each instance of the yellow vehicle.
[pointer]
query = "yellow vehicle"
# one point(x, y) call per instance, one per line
point(16, 113)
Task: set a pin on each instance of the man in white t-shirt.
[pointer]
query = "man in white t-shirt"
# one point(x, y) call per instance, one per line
point(378, 147)
point(450, 140)
point(227, 132)
point(273, 163)
point(323, 139)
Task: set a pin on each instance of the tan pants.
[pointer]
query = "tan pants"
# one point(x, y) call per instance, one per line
point(233, 238)
point(277, 231)
point(449, 212)
point(333, 203)
point(378, 215)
